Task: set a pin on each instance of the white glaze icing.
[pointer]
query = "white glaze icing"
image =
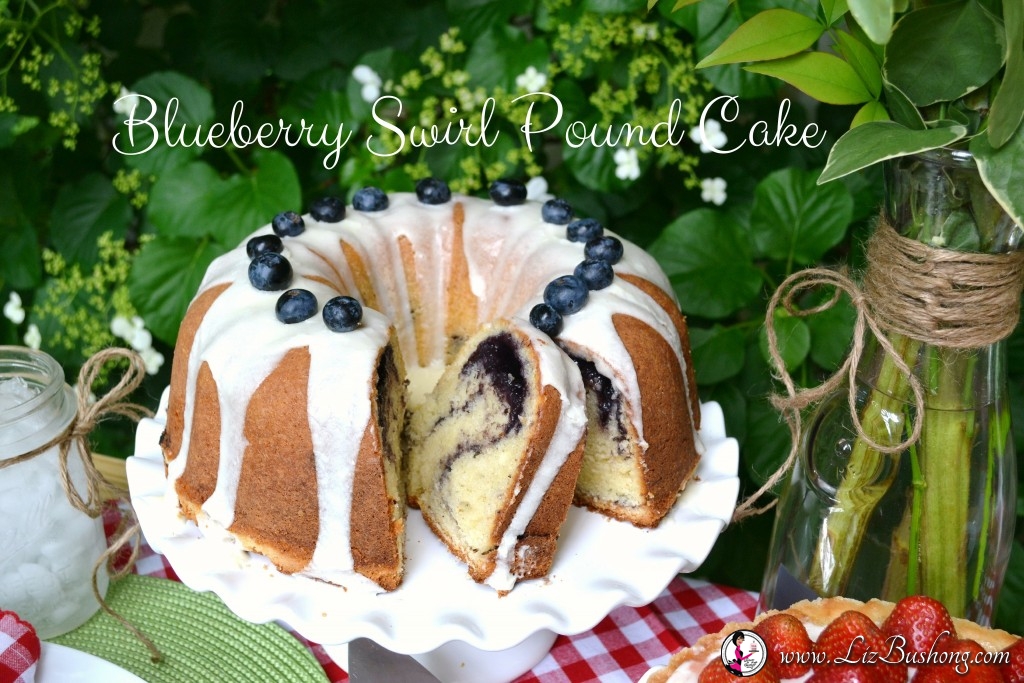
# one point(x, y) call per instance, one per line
point(241, 339)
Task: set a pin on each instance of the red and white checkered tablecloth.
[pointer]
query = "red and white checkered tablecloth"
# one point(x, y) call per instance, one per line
point(620, 649)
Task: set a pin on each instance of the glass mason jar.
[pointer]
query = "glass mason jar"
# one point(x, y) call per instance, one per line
point(936, 518)
point(49, 547)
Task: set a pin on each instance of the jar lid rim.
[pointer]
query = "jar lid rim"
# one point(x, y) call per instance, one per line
point(25, 362)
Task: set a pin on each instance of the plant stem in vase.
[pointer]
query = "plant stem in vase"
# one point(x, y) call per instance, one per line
point(908, 487)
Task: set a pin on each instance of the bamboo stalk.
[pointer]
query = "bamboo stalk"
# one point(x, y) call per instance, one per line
point(863, 485)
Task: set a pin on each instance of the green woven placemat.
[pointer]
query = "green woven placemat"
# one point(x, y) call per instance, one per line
point(200, 639)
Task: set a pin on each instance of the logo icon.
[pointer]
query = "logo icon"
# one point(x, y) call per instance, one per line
point(743, 653)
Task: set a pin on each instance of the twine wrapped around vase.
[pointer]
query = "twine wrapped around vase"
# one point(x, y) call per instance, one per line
point(98, 489)
point(941, 297)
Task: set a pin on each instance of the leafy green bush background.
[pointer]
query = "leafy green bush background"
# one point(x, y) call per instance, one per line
point(87, 233)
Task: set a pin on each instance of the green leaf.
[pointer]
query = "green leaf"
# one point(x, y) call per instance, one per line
point(179, 201)
point(833, 10)
point(831, 332)
point(795, 220)
point(942, 52)
point(877, 141)
point(611, 6)
point(194, 201)
point(793, 336)
point(862, 59)
point(872, 111)
point(474, 17)
point(874, 17)
point(1008, 106)
point(1002, 171)
point(501, 54)
point(770, 34)
point(821, 75)
point(83, 211)
point(13, 125)
point(21, 265)
point(150, 148)
point(247, 202)
point(165, 276)
point(901, 109)
point(678, 6)
point(718, 353)
point(707, 256)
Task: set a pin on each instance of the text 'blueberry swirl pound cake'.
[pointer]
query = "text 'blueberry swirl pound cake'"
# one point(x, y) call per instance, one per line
point(303, 401)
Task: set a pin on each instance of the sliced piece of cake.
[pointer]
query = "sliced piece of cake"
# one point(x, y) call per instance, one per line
point(495, 451)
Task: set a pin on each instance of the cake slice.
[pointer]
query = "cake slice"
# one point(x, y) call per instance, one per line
point(495, 451)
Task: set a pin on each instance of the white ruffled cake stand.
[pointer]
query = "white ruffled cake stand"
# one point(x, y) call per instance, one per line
point(456, 628)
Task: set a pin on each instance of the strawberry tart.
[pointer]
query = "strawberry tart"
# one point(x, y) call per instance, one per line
point(833, 640)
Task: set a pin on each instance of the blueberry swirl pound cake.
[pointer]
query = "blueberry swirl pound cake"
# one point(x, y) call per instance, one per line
point(488, 361)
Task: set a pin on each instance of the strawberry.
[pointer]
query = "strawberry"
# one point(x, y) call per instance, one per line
point(845, 674)
point(960, 667)
point(785, 635)
point(852, 638)
point(916, 623)
point(715, 672)
point(1013, 670)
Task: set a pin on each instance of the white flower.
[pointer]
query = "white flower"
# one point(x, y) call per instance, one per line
point(537, 189)
point(132, 331)
point(369, 80)
point(13, 310)
point(627, 164)
point(709, 136)
point(141, 339)
point(531, 80)
point(126, 102)
point(713, 190)
point(33, 338)
point(121, 327)
point(365, 74)
point(370, 92)
point(153, 360)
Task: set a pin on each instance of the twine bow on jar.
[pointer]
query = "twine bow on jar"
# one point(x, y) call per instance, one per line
point(97, 489)
point(936, 296)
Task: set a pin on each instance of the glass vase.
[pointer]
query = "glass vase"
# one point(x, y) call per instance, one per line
point(937, 517)
point(49, 546)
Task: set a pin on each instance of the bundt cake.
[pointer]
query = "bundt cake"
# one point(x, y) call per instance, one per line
point(303, 402)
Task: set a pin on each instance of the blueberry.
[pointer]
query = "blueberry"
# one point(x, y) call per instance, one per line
point(433, 191)
point(556, 211)
point(605, 248)
point(342, 314)
point(507, 192)
point(270, 272)
point(566, 294)
point(327, 209)
point(296, 305)
point(370, 199)
point(288, 224)
point(597, 274)
point(262, 244)
point(546, 319)
point(584, 230)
